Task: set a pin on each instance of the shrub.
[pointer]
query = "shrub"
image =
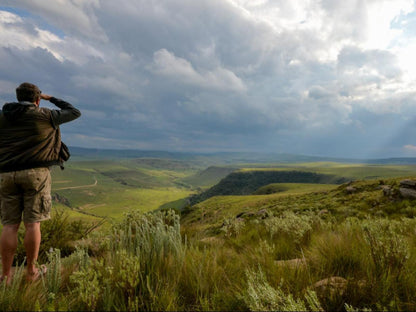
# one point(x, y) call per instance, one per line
point(389, 247)
point(261, 296)
point(232, 227)
point(142, 269)
point(290, 225)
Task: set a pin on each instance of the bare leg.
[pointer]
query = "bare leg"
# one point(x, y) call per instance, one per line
point(32, 244)
point(8, 245)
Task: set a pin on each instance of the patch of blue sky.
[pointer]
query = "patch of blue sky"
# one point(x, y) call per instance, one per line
point(36, 19)
point(405, 22)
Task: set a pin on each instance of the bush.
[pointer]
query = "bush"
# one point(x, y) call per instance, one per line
point(260, 296)
point(289, 225)
point(141, 270)
point(389, 247)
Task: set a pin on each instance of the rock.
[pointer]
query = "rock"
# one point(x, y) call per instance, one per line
point(387, 190)
point(244, 215)
point(292, 263)
point(407, 192)
point(263, 213)
point(350, 189)
point(61, 199)
point(334, 285)
point(408, 183)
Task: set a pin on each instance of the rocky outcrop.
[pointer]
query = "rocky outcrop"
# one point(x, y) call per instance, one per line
point(262, 214)
point(334, 286)
point(61, 199)
point(408, 188)
point(387, 190)
point(350, 190)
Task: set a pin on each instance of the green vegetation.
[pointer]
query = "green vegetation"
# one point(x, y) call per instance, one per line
point(275, 260)
point(346, 170)
point(245, 182)
point(108, 188)
point(283, 246)
point(292, 188)
point(208, 177)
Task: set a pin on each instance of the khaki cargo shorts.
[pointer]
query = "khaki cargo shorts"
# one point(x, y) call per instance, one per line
point(26, 192)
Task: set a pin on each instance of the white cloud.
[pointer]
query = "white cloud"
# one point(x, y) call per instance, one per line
point(72, 16)
point(178, 69)
point(14, 32)
point(9, 18)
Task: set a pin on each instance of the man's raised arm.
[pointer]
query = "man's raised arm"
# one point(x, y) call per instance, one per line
point(66, 113)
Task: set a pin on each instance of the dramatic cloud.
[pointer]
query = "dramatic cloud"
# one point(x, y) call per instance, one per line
point(166, 64)
point(312, 77)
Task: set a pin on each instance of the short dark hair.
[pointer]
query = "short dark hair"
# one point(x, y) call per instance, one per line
point(27, 92)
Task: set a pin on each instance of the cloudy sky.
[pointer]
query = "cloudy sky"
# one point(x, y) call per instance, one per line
point(314, 77)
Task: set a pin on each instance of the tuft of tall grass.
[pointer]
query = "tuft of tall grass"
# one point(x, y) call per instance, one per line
point(59, 232)
point(340, 252)
point(10, 294)
point(212, 278)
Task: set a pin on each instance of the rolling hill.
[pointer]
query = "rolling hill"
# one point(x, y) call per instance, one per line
point(248, 181)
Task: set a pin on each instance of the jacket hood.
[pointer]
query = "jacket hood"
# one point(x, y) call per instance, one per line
point(13, 110)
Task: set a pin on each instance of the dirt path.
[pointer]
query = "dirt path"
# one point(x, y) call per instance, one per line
point(78, 187)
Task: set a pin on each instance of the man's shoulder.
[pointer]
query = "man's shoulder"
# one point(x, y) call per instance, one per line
point(44, 109)
point(39, 110)
point(39, 113)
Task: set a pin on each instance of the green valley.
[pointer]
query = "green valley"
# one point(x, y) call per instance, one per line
point(187, 233)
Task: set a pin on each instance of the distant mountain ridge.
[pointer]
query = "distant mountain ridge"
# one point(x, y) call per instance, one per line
point(228, 157)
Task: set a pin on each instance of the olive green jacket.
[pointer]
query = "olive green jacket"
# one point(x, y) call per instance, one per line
point(30, 136)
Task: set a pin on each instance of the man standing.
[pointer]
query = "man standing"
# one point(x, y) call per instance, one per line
point(30, 142)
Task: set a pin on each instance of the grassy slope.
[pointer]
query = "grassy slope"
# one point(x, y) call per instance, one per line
point(352, 171)
point(248, 179)
point(293, 188)
point(208, 177)
point(362, 235)
point(148, 184)
point(209, 215)
point(110, 188)
point(231, 241)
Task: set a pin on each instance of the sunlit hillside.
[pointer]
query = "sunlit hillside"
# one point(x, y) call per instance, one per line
point(125, 235)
